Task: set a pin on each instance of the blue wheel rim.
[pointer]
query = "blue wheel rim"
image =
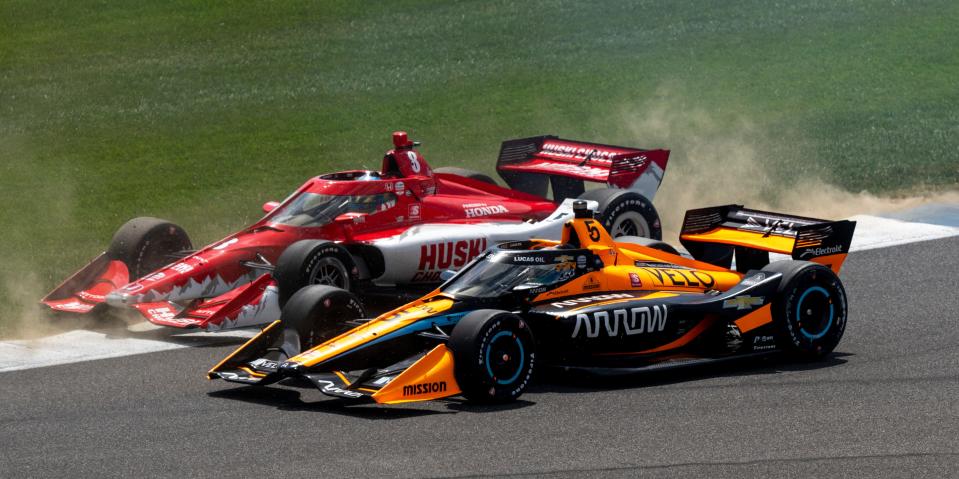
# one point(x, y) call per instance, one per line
point(802, 298)
point(489, 350)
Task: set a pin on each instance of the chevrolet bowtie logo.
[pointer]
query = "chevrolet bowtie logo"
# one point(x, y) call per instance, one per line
point(743, 302)
point(564, 259)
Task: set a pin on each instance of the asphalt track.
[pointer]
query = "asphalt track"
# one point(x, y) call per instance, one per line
point(886, 404)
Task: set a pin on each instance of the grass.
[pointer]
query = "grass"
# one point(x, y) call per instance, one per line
point(200, 111)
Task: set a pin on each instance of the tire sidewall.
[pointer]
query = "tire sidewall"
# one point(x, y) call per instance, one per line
point(790, 337)
point(614, 203)
point(326, 255)
point(143, 245)
point(317, 313)
point(298, 263)
point(472, 350)
point(152, 253)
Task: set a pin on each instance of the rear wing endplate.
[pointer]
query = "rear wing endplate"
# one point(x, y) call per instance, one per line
point(715, 234)
point(532, 164)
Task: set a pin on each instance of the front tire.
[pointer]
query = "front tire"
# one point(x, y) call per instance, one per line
point(493, 355)
point(145, 244)
point(311, 262)
point(315, 314)
point(625, 213)
point(809, 310)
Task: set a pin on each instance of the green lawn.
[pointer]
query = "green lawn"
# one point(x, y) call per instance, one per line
point(200, 111)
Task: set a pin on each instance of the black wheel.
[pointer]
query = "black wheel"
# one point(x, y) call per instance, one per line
point(145, 244)
point(315, 314)
point(312, 262)
point(466, 173)
point(493, 355)
point(625, 213)
point(809, 309)
point(649, 243)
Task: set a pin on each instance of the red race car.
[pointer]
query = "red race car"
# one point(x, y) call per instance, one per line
point(396, 229)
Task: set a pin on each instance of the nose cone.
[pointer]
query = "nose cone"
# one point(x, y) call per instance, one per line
point(288, 368)
point(119, 299)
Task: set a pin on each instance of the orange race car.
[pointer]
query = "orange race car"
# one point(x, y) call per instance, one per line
point(585, 302)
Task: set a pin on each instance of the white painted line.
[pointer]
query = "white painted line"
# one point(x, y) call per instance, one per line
point(875, 232)
point(76, 346)
point(72, 347)
point(946, 214)
point(80, 345)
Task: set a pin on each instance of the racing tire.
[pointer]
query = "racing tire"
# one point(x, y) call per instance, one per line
point(310, 262)
point(145, 244)
point(809, 309)
point(649, 243)
point(625, 213)
point(493, 355)
point(466, 173)
point(315, 314)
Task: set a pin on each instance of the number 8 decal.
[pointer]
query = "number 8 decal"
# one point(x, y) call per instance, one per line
point(414, 162)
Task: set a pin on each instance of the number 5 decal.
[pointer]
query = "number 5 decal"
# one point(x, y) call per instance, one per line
point(593, 231)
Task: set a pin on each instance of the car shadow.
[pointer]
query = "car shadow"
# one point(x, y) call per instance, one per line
point(286, 399)
point(462, 405)
point(578, 381)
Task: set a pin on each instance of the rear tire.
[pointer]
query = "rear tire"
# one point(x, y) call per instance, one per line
point(625, 213)
point(144, 245)
point(310, 262)
point(809, 309)
point(493, 355)
point(466, 173)
point(315, 314)
point(649, 243)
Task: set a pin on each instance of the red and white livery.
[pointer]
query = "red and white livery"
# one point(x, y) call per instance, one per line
point(394, 229)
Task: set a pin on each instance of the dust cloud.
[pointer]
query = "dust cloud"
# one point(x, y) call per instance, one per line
point(40, 203)
point(21, 287)
point(24, 317)
point(716, 162)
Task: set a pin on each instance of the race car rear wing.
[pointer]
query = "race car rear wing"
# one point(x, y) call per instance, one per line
point(532, 164)
point(714, 234)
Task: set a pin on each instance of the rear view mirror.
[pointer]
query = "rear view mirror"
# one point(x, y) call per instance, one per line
point(270, 206)
point(522, 288)
point(351, 217)
point(446, 275)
